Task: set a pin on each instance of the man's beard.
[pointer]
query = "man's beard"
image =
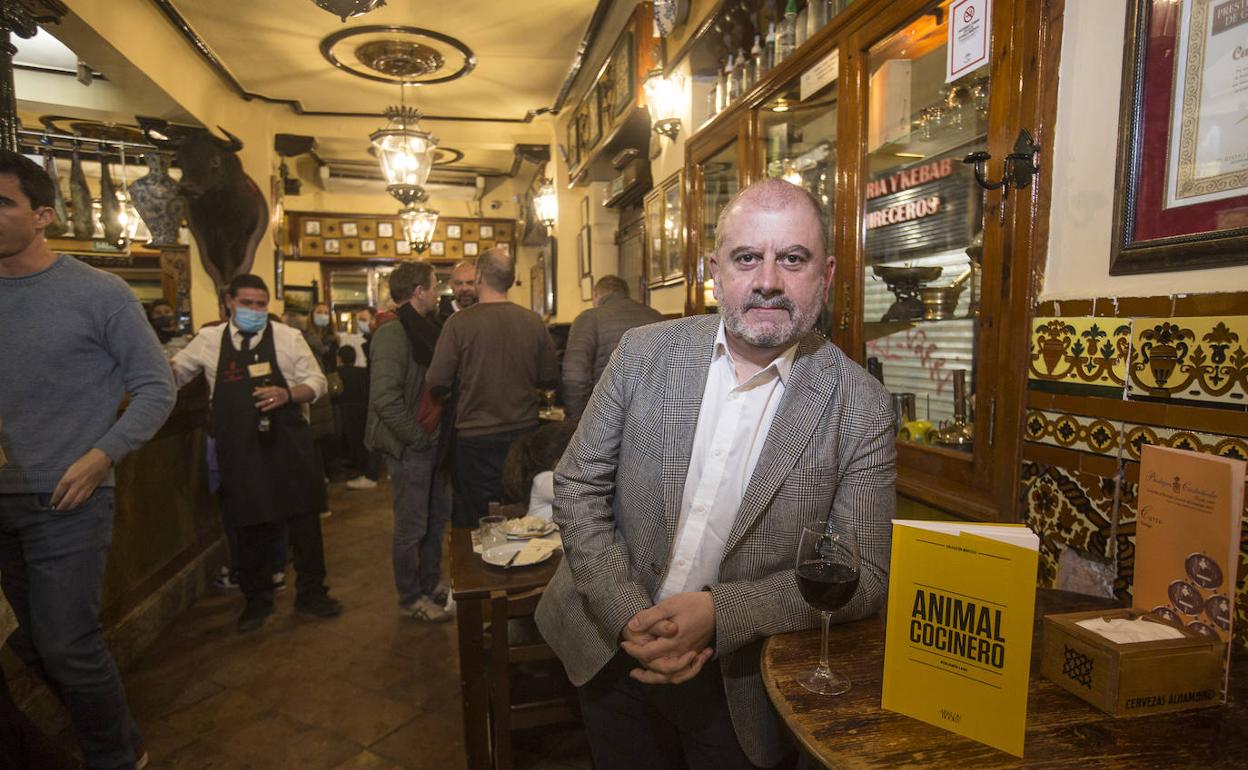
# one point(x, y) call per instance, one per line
point(772, 335)
point(466, 299)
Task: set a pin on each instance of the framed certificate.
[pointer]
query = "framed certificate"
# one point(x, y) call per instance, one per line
point(1182, 184)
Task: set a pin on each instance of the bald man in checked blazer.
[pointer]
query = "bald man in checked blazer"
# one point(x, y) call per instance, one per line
point(708, 443)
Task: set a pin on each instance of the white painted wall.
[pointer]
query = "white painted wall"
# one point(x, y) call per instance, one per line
point(1084, 158)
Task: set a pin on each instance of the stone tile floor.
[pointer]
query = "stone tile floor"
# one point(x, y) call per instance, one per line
point(369, 689)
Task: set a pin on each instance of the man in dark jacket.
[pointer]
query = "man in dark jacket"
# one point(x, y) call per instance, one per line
point(407, 435)
point(594, 336)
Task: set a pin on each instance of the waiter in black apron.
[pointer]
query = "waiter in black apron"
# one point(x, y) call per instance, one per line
point(260, 372)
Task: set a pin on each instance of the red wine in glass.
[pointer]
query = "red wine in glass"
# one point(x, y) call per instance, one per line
point(827, 570)
point(826, 587)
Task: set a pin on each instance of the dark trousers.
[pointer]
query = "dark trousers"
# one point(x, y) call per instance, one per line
point(422, 505)
point(659, 727)
point(281, 545)
point(256, 544)
point(479, 473)
point(51, 565)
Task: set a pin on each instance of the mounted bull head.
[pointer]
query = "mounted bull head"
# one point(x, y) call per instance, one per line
point(227, 212)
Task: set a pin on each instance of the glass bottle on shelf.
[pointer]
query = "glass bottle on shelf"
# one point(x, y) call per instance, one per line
point(757, 65)
point(721, 91)
point(743, 73)
point(816, 16)
point(800, 29)
point(769, 49)
point(786, 39)
point(733, 85)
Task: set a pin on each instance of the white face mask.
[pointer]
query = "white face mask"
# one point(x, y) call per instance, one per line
point(320, 319)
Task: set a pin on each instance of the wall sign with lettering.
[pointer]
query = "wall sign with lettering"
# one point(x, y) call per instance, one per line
point(926, 208)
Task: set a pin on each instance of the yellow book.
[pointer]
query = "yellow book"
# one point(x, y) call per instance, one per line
point(961, 602)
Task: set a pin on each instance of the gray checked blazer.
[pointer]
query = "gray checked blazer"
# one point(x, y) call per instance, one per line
point(618, 491)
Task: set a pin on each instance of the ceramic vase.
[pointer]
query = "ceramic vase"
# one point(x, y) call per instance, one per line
point(155, 196)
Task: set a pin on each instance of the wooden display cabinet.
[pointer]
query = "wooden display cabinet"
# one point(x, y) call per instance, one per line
point(881, 142)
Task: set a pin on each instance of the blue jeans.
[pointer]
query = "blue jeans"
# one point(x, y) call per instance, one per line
point(51, 565)
point(422, 505)
point(479, 472)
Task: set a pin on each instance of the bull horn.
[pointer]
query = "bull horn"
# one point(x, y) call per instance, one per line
point(235, 144)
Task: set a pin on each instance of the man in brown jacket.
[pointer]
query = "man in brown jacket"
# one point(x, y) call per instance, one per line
point(494, 355)
point(594, 336)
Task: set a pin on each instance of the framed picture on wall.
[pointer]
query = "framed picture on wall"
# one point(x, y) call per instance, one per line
point(403, 248)
point(333, 246)
point(653, 254)
point(311, 227)
point(1181, 200)
point(437, 248)
point(454, 232)
point(385, 229)
point(673, 230)
point(584, 254)
point(350, 230)
point(368, 246)
point(487, 232)
point(537, 288)
point(470, 248)
point(300, 299)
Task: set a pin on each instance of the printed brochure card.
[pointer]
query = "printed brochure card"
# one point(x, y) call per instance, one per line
point(1187, 534)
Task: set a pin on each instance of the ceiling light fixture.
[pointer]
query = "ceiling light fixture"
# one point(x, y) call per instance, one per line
point(664, 99)
point(345, 9)
point(547, 204)
point(419, 225)
point(406, 153)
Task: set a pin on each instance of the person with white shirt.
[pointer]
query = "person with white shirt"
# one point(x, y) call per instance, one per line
point(707, 445)
point(259, 375)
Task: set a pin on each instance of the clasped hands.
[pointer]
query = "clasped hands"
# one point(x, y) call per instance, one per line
point(671, 639)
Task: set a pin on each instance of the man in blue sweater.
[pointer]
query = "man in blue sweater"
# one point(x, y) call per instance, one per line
point(60, 436)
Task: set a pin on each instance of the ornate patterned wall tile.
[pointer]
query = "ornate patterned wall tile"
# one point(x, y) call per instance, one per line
point(1100, 436)
point(1082, 355)
point(1071, 509)
point(1072, 431)
point(1202, 360)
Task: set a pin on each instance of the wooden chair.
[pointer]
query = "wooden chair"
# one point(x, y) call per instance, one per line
point(521, 699)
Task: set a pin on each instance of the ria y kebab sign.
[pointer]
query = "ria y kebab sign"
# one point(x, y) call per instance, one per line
point(925, 208)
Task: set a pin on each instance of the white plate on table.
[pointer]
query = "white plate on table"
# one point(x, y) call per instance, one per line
point(529, 534)
point(499, 555)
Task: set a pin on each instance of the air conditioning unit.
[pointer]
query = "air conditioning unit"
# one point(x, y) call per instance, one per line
point(360, 179)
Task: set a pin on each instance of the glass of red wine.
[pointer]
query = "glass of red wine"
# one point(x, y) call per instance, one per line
point(827, 575)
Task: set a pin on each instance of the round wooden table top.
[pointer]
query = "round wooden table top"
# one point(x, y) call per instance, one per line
point(853, 731)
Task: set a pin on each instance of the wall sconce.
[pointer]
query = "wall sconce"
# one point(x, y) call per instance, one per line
point(547, 204)
point(664, 99)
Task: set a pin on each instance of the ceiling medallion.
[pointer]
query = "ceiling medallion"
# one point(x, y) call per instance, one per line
point(406, 59)
point(345, 9)
point(392, 53)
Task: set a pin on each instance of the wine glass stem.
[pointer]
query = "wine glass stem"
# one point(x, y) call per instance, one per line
point(823, 649)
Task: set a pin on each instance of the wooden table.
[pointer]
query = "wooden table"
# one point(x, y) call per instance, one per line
point(472, 580)
point(852, 731)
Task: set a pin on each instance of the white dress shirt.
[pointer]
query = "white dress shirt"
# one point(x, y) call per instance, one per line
point(294, 357)
point(732, 427)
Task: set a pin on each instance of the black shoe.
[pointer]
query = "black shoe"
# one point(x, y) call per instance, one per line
point(254, 615)
point(321, 606)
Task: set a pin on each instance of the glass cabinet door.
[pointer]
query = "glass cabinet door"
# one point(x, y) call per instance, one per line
point(797, 143)
point(922, 225)
point(719, 180)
